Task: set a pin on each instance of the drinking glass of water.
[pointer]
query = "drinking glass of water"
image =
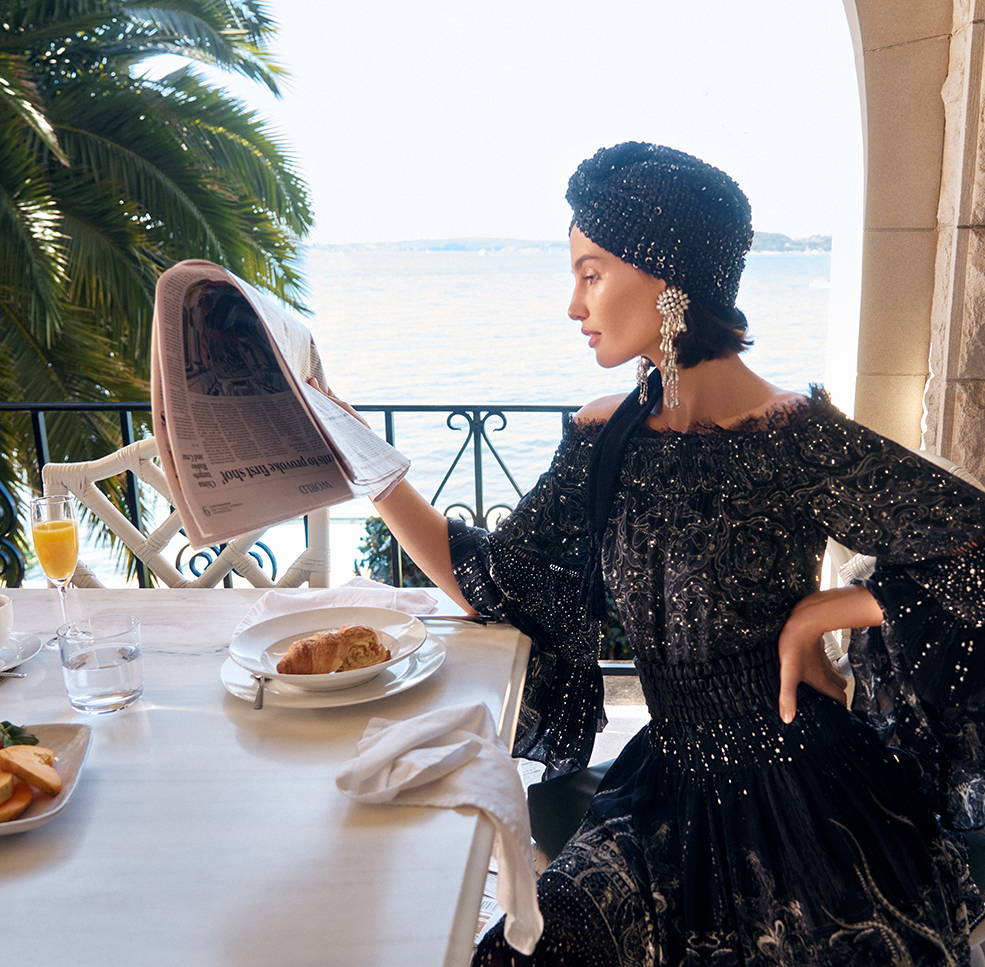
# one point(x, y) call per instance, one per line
point(101, 662)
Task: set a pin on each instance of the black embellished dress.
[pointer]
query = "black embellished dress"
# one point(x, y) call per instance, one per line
point(722, 836)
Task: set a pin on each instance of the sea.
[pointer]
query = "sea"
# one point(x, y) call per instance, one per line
point(490, 326)
point(474, 325)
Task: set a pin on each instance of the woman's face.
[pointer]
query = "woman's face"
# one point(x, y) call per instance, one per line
point(615, 304)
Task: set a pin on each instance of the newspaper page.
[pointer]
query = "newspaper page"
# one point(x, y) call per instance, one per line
point(244, 442)
point(370, 464)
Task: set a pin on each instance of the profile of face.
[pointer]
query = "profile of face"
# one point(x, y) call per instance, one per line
point(615, 303)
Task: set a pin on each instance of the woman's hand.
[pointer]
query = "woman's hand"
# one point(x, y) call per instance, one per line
point(345, 406)
point(802, 659)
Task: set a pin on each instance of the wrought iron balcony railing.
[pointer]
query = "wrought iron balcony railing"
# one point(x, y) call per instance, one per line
point(475, 447)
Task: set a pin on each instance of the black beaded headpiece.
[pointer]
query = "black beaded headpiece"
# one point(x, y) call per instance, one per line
point(667, 213)
point(676, 218)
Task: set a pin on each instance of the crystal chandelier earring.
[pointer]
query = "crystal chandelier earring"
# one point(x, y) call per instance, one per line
point(671, 304)
point(642, 368)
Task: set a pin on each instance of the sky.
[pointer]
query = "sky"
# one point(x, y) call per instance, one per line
point(441, 119)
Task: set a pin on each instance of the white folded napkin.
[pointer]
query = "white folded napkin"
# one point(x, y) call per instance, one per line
point(359, 592)
point(452, 757)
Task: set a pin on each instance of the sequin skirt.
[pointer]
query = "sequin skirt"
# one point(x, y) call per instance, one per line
point(723, 836)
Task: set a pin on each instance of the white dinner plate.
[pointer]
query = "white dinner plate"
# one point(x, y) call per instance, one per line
point(410, 671)
point(70, 743)
point(261, 646)
point(20, 647)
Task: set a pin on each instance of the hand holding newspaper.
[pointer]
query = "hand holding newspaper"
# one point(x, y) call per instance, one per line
point(244, 441)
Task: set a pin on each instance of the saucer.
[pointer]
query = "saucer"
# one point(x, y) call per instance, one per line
point(411, 671)
point(20, 647)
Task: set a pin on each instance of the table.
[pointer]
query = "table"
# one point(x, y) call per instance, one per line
point(206, 833)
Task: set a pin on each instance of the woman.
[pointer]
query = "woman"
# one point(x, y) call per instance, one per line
point(756, 820)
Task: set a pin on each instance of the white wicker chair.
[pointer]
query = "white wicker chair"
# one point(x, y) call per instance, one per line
point(78, 479)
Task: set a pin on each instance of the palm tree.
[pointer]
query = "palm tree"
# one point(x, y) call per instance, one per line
point(108, 177)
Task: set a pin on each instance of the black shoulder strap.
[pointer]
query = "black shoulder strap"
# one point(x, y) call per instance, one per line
point(603, 481)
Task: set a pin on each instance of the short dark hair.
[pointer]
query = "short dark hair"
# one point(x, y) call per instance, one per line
point(712, 332)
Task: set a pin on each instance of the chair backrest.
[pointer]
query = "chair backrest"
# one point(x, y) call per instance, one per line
point(79, 479)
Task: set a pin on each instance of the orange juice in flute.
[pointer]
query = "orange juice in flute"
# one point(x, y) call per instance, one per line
point(57, 545)
point(56, 542)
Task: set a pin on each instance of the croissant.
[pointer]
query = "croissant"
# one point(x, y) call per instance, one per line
point(329, 651)
point(364, 648)
point(316, 654)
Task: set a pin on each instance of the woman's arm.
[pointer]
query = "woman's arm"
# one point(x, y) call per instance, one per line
point(920, 674)
point(422, 531)
point(802, 657)
point(876, 498)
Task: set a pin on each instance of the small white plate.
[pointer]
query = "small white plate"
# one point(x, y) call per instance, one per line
point(20, 647)
point(261, 646)
point(70, 743)
point(411, 671)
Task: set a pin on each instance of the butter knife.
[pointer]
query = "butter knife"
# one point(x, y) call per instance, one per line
point(476, 619)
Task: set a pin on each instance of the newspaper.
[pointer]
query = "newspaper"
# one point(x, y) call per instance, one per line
point(245, 441)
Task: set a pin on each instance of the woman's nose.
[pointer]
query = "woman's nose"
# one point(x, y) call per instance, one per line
point(576, 311)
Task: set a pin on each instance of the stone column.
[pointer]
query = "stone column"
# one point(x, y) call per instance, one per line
point(903, 50)
point(954, 421)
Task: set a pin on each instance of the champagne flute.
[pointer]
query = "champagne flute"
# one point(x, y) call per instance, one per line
point(56, 542)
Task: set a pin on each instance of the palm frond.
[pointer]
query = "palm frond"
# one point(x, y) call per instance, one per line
point(32, 247)
point(110, 277)
point(238, 143)
point(201, 31)
point(27, 20)
point(19, 95)
point(193, 157)
point(67, 39)
point(144, 161)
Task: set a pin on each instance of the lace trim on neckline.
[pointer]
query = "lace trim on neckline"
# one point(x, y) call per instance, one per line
point(774, 418)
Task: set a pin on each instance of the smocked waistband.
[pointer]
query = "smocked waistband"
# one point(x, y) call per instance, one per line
point(727, 687)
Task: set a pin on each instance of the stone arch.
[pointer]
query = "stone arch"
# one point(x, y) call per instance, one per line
point(921, 349)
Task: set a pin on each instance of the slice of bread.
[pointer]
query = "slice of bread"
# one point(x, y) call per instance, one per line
point(33, 764)
point(6, 786)
point(42, 752)
point(17, 803)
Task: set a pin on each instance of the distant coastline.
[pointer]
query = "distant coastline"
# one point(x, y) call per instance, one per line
point(764, 243)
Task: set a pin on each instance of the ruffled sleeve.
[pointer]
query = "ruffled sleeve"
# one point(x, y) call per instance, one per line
point(920, 676)
point(528, 572)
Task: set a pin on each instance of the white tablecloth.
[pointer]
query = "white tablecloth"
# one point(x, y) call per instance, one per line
point(206, 833)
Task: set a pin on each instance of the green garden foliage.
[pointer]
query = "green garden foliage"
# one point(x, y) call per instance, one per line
point(375, 560)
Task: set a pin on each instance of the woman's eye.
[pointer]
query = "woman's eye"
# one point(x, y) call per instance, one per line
point(590, 278)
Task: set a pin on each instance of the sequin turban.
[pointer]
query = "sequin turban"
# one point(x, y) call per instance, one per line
point(667, 213)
